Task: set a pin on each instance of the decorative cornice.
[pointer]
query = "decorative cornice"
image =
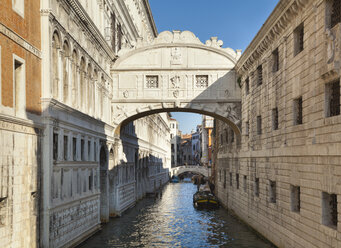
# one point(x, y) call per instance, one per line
point(275, 25)
point(150, 17)
point(89, 24)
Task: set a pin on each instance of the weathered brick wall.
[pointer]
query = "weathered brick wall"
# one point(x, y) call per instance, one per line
point(305, 155)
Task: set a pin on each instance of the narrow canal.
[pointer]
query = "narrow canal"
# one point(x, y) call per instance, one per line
point(172, 221)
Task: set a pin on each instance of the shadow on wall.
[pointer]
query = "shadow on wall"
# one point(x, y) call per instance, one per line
point(141, 169)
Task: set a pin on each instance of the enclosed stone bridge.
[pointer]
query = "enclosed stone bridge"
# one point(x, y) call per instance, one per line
point(176, 72)
point(193, 169)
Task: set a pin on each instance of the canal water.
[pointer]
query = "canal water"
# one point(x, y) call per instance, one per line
point(172, 221)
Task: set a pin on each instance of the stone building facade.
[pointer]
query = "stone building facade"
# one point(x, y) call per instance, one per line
point(147, 155)
point(20, 124)
point(283, 178)
point(89, 172)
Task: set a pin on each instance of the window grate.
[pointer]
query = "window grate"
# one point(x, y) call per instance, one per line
point(334, 102)
point(259, 124)
point(260, 74)
point(298, 39)
point(333, 209)
point(275, 60)
point(257, 187)
point(201, 81)
point(55, 146)
point(335, 13)
point(152, 82)
point(66, 141)
point(298, 117)
point(275, 119)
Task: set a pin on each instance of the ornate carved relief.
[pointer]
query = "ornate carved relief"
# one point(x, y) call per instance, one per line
point(176, 56)
point(330, 45)
point(175, 82)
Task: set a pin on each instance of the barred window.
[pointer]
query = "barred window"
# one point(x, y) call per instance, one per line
point(332, 98)
point(66, 142)
point(335, 12)
point(247, 126)
point(201, 81)
point(295, 198)
point(247, 86)
point(237, 181)
point(55, 146)
point(257, 186)
point(298, 117)
point(298, 39)
point(329, 209)
point(260, 75)
point(152, 82)
point(275, 60)
point(275, 119)
point(74, 148)
point(82, 150)
point(272, 191)
point(231, 179)
point(224, 179)
point(245, 183)
point(259, 124)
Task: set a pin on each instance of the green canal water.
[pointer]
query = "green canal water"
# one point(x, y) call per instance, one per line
point(172, 221)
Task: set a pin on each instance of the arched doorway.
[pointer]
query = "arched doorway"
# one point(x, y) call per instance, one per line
point(104, 185)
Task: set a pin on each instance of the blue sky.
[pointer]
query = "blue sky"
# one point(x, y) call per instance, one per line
point(234, 22)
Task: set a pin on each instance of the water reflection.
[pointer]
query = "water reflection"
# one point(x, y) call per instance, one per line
point(172, 221)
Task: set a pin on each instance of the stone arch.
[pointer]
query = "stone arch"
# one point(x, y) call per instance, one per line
point(56, 46)
point(104, 184)
point(232, 119)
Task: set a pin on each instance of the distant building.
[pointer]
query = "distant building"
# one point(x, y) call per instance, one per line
point(196, 145)
point(206, 144)
point(186, 149)
point(175, 136)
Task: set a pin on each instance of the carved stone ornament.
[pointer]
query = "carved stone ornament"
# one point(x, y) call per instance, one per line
point(126, 94)
point(232, 113)
point(227, 93)
point(330, 46)
point(175, 82)
point(176, 56)
point(176, 93)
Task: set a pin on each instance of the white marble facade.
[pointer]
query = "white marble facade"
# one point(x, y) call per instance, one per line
point(88, 171)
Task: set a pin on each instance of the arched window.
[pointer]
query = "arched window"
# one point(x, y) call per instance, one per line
point(65, 60)
point(89, 86)
point(74, 78)
point(55, 64)
point(95, 79)
point(82, 82)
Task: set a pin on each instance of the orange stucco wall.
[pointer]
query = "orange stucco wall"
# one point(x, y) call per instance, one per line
point(29, 29)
